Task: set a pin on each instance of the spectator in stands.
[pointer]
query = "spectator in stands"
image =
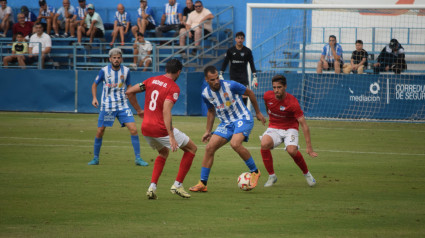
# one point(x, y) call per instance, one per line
point(23, 27)
point(78, 19)
point(142, 53)
point(391, 58)
point(171, 18)
point(331, 57)
point(198, 21)
point(121, 24)
point(45, 16)
point(62, 19)
point(146, 19)
point(188, 9)
point(34, 46)
point(19, 48)
point(92, 27)
point(6, 18)
point(29, 16)
point(239, 56)
point(358, 60)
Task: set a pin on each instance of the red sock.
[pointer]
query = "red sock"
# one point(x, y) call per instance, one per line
point(268, 160)
point(185, 164)
point(299, 160)
point(157, 168)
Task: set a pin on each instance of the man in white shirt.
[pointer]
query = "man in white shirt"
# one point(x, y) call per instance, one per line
point(142, 53)
point(6, 17)
point(40, 38)
point(93, 25)
point(198, 21)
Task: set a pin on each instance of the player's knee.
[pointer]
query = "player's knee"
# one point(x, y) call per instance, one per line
point(235, 145)
point(292, 150)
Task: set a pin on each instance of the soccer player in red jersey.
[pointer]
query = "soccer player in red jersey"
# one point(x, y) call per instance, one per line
point(161, 94)
point(285, 115)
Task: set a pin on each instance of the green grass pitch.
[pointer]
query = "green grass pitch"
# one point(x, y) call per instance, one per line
point(370, 183)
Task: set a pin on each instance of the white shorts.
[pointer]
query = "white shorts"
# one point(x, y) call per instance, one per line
point(141, 57)
point(157, 143)
point(289, 137)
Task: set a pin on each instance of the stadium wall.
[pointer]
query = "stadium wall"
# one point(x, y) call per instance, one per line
point(70, 91)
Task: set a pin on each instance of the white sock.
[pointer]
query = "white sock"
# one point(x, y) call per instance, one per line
point(153, 186)
point(177, 184)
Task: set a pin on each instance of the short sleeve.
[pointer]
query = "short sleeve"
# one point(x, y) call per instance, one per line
point(100, 77)
point(128, 17)
point(209, 105)
point(324, 50)
point(173, 94)
point(237, 88)
point(149, 11)
point(128, 78)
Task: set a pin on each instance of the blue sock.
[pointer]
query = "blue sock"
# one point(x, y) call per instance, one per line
point(97, 145)
point(205, 173)
point(136, 145)
point(251, 164)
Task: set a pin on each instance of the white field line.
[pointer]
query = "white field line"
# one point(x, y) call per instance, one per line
point(128, 144)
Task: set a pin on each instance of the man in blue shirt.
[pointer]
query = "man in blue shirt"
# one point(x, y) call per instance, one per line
point(224, 99)
point(62, 19)
point(331, 57)
point(171, 18)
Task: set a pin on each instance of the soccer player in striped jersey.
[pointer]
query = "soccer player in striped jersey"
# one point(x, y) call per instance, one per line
point(285, 115)
point(224, 99)
point(115, 78)
point(162, 92)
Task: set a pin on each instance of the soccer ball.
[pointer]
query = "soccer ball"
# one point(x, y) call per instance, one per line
point(243, 181)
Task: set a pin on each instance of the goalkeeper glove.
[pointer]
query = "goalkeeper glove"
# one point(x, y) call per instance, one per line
point(220, 75)
point(254, 81)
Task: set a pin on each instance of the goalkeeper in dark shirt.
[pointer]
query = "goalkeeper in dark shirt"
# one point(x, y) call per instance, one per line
point(239, 56)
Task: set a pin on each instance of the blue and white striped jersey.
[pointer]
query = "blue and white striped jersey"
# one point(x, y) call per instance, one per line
point(114, 87)
point(227, 102)
point(81, 12)
point(172, 13)
point(46, 13)
point(327, 52)
point(122, 18)
point(150, 12)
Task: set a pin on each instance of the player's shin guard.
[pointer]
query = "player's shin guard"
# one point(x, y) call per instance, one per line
point(268, 160)
point(97, 145)
point(185, 164)
point(299, 160)
point(136, 145)
point(157, 169)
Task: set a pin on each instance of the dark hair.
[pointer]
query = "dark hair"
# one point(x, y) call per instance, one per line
point(39, 24)
point(173, 66)
point(280, 79)
point(198, 2)
point(240, 34)
point(20, 33)
point(359, 42)
point(140, 34)
point(210, 69)
point(332, 36)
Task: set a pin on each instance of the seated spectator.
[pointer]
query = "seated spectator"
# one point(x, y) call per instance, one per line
point(23, 27)
point(358, 60)
point(171, 18)
point(6, 18)
point(45, 16)
point(19, 48)
point(331, 57)
point(198, 21)
point(188, 9)
point(121, 24)
point(146, 19)
point(62, 19)
point(34, 46)
point(391, 58)
point(78, 19)
point(92, 26)
point(142, 53)
point(29, 16)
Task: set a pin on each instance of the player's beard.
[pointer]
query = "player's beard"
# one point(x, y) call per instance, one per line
point(116, 65)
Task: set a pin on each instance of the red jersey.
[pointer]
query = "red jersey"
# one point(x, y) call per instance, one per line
point(283, 114)
point(158, 89)
point(26, 29)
